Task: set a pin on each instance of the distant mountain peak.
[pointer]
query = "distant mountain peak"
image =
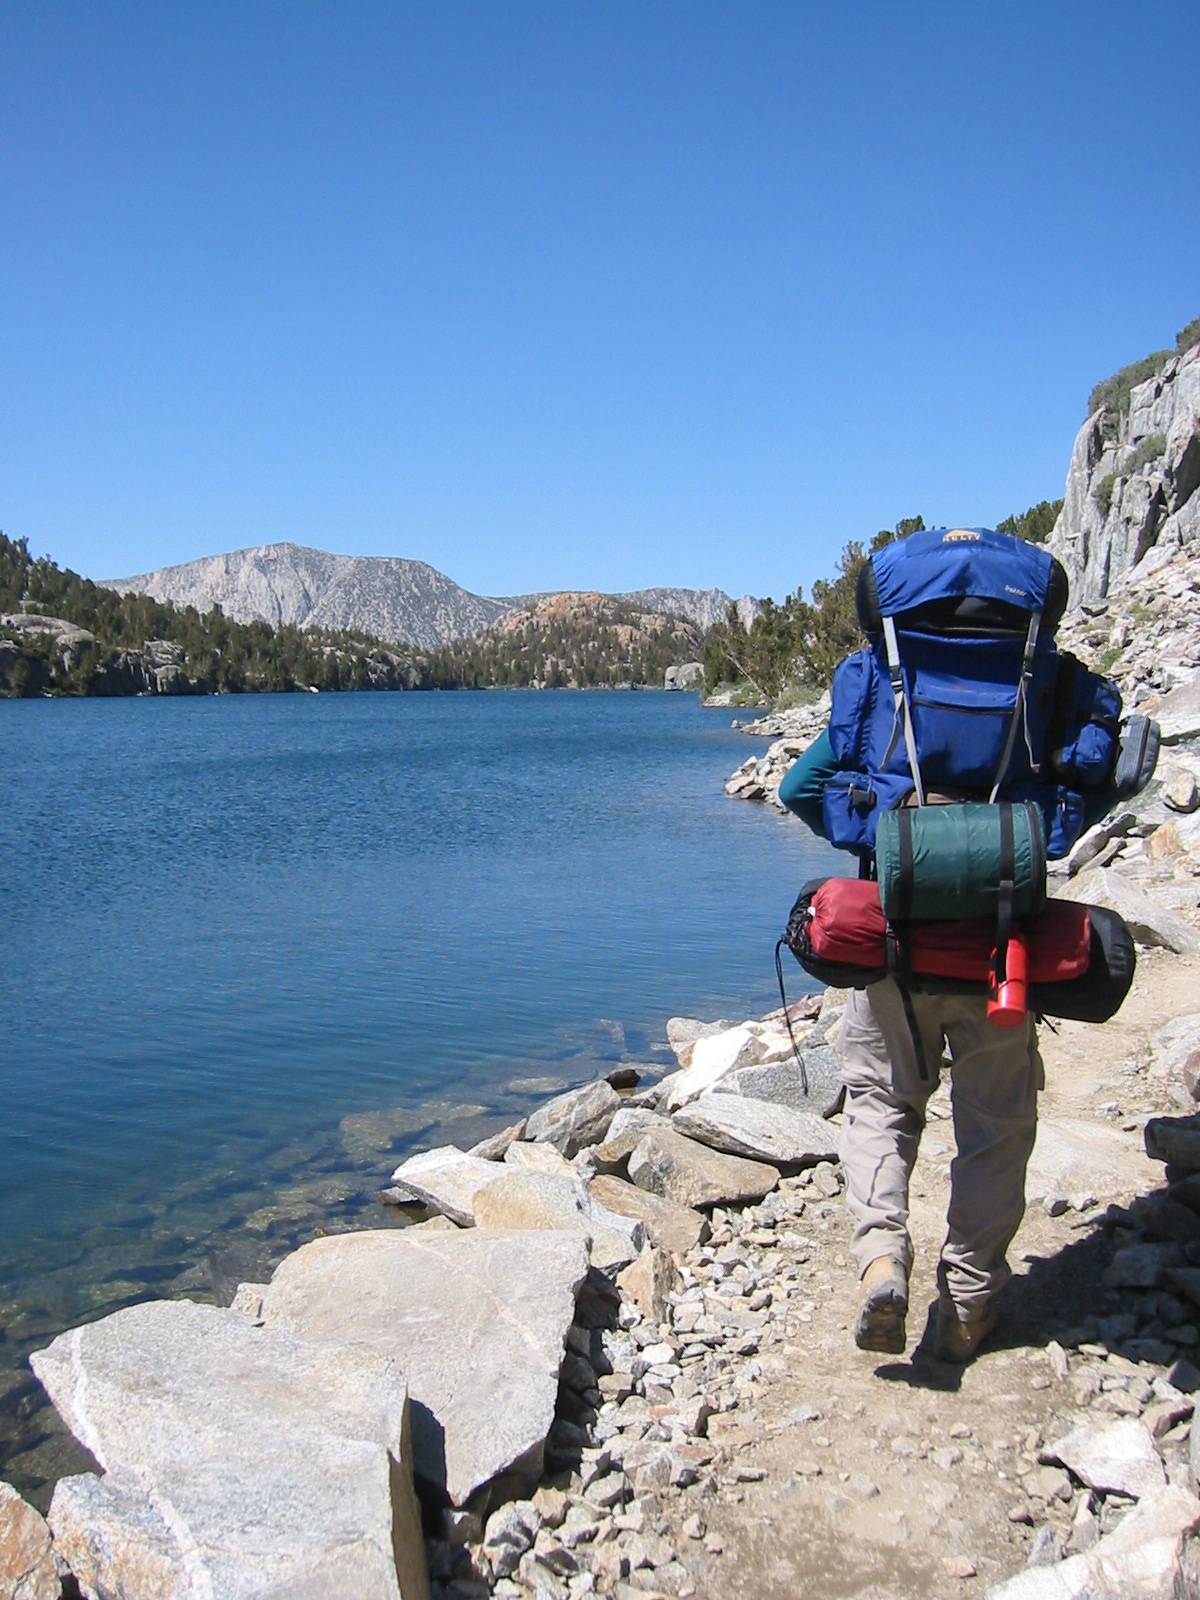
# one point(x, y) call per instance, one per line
point(391, 597)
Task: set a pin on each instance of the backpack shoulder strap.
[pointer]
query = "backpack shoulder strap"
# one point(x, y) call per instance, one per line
point(1020, 711)
point(904, 720)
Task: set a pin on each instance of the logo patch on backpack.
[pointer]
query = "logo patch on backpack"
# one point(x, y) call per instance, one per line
point(960, 536)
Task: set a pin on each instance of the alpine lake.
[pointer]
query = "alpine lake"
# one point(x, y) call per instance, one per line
point(259, 949)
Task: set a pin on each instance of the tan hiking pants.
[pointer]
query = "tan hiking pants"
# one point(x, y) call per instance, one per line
point(995, 1077)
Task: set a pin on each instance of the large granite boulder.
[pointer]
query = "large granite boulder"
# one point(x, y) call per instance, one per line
point(683, 1032)
point(713, 1057)
point(817, 1088)
point(625, 1133)
point(1175, 1140)
point(446, 1180)
point(544, 1201)
point(1178, 713)
point(668, 1164)
point(238, 1461)
point(758, 1129)
point(674, 1227)
point(1149, 1555)
point(475, 1320)
point(1074, 1156)
point(574, 1120)
point(1112, 1457)
point(27, 1570)
point(534, 1156)
point(1150, 921)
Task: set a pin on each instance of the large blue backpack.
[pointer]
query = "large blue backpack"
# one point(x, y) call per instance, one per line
point(962, 691)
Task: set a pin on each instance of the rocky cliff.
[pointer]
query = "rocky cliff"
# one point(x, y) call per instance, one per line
point(1131, 498)
point(704, 607)
point(388, 597)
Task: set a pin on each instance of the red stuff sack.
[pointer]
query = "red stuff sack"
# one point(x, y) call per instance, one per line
point(1081, 958)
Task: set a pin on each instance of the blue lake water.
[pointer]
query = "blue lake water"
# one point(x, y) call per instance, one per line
point(257, 949)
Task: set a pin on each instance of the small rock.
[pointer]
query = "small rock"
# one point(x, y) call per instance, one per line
point(648, 1283)
point(1047, 1548)
point(509, 1533)
point(1181, 793)
point(493, 1148)
point(623, 1077)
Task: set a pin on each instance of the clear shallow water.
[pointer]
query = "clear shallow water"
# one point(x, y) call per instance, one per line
point(231, 924)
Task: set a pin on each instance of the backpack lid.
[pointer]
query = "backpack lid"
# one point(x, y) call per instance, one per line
point(966, 579)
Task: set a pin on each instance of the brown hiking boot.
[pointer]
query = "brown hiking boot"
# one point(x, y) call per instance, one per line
point(884, 1306)
point(959, 1337)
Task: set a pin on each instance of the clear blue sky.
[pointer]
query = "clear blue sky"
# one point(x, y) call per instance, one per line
point(573, 294)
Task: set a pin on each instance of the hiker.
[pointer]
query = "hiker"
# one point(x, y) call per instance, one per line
point(947, 611)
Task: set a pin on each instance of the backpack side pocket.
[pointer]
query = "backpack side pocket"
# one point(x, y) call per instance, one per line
point(849, 701)
point(853, 803)
point(1084, 736)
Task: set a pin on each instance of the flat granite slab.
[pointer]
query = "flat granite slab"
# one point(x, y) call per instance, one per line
point(238, 1461)
point(476, 1321)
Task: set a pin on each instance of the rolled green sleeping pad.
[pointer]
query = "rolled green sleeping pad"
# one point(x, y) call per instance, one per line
point(946, 862)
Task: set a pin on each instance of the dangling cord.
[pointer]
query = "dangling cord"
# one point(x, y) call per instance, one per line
point(779, 944)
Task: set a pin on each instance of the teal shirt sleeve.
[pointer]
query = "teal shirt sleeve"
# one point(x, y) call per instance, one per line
point(804, 783)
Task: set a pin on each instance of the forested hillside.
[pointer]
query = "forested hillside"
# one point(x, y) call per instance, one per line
point(570, 641)
point(108, 651)
point(794, 645)
point(131, 643)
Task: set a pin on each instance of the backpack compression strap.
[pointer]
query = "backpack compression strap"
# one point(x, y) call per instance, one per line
point(1020, 713)
point(903, 711)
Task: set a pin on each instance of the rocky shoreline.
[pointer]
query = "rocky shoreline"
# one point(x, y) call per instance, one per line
point(589, 1369)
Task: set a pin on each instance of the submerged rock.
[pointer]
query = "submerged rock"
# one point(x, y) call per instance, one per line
point(238, 1460)
point(367, 1135)
point(475, 1320)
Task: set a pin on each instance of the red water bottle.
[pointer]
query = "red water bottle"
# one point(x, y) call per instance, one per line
point(1008, 1001)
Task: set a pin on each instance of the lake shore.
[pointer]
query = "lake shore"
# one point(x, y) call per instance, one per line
point(707, 1401)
